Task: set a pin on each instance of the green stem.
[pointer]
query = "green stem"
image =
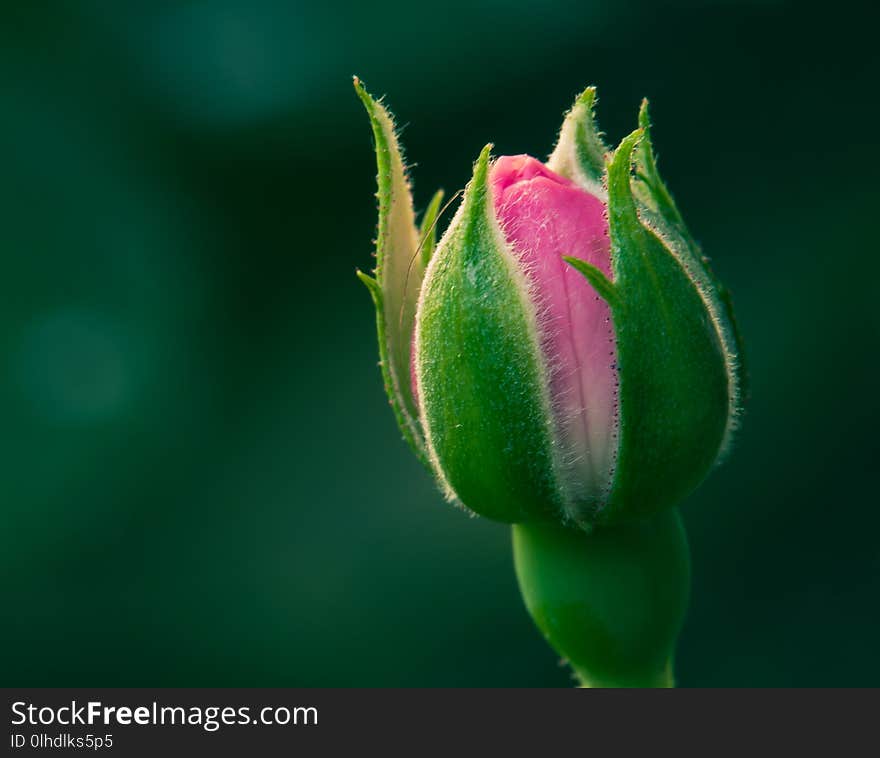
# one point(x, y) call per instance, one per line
point(610, 602)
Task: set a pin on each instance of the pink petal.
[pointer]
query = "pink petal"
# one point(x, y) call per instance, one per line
point(545, 216)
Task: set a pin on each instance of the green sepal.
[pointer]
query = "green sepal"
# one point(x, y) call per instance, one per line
point(482, 385)
point(596, 277)
point(658, 210)
point(611, 602)
point(649, 188)
point(399, 271)
point(428, 228)
point(580, 151)
point(673, 400)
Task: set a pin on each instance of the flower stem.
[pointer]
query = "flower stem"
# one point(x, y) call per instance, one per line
point(611, 602)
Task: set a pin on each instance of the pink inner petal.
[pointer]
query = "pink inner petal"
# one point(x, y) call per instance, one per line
point(545, 216)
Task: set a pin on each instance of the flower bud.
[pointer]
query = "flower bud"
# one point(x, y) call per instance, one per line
point(564, 354)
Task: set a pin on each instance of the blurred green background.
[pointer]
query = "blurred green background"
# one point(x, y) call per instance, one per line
point(201, 482)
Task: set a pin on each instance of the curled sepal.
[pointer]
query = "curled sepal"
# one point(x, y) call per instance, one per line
point(399, 271)
point(611, 602)
point(658, 209)
point(674, 402)
point(580, 151)
point(482, 384)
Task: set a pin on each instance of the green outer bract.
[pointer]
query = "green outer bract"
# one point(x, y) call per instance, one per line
point(580, 152)
point(485, 404)
point(659, 211)
point(400, 265)
point(611, 602)
point(673, 372)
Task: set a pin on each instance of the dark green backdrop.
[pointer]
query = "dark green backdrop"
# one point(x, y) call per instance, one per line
point(201, 482)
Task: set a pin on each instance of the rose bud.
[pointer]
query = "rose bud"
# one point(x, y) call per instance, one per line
point(564, 354)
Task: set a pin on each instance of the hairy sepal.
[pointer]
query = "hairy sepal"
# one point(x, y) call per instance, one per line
point(674, 397)
point(399, 271)
point(580, 151)
point(481, 379)
point(658, 210)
